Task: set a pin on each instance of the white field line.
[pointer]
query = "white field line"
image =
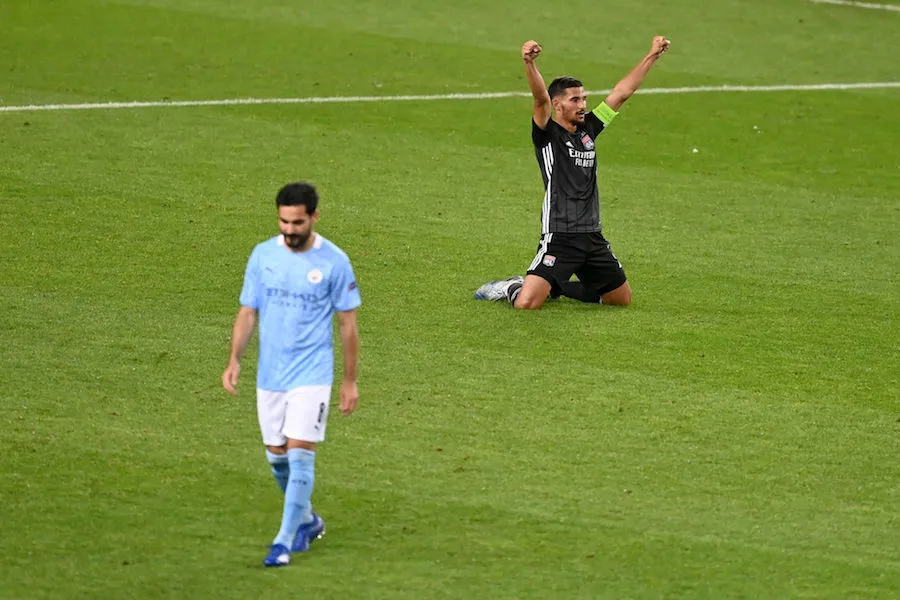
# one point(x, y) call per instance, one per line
point(423, 98)
point(872, 5)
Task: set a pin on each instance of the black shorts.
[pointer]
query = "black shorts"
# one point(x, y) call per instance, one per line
point(586, 255)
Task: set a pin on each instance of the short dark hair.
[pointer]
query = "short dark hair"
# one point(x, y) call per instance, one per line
point(295, 194)
point(559, 85)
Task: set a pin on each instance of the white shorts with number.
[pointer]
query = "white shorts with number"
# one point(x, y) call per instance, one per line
point(299, 414)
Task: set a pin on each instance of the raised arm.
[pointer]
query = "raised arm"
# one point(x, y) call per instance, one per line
point(625, 88)
point(530, 51)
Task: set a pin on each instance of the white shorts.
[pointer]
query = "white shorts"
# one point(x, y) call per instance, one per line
point(299, 414)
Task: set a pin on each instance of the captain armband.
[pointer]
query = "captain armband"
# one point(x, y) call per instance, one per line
point(605, 113)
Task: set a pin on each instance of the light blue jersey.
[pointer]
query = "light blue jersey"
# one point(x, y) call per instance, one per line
point(296, 294)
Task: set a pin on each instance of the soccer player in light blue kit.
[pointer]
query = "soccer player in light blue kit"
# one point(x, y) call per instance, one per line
point(293, 285)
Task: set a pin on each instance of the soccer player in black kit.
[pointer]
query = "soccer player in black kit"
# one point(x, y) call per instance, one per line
point(571, 239)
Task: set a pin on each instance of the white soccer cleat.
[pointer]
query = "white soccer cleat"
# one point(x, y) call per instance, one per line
point(496, 290)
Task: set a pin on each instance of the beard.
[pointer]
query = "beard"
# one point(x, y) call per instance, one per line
point(296, 241)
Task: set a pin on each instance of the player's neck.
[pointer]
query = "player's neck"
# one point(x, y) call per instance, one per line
point(571, 127)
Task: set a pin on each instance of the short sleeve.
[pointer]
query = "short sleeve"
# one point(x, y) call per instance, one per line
point(250, 291)
point(344, 290)
point(599, 119)
point(540, 137)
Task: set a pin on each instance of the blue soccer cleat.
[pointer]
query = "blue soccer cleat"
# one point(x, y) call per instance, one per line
point(279, 556)
point(308, 532)
point(496, 290)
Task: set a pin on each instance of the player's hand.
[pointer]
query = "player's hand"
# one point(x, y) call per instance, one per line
point(660, 45)
point(230, 376)
point(530, 51)
point(349, 397)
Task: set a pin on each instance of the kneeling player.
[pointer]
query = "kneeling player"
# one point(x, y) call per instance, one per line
point(571, 239)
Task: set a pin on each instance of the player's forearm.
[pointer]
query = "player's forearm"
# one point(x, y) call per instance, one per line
point(242, 332)
point(631, 82)
point(350, 345)
point(536, 83)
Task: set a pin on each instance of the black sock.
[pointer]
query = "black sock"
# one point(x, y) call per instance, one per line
point(577, 291)
point(513, 292)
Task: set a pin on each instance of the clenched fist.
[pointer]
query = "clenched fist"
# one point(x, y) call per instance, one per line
point(660, 45)
point(530, 51)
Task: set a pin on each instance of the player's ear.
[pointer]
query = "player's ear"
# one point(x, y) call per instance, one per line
point(315, 216)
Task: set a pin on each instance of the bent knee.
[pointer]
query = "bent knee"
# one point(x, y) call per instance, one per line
point(621, 296)
point(528, 303)
point(622, 300)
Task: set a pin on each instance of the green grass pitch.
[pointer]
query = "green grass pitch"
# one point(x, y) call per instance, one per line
point(733, 434)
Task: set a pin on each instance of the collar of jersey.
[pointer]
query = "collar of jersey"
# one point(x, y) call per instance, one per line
point(316, 244)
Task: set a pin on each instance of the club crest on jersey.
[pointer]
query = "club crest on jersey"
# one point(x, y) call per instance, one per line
point(314, 276)
point(549, 260)
point(587, 141)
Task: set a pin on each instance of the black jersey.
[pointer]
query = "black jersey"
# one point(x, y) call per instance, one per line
point(569, 169)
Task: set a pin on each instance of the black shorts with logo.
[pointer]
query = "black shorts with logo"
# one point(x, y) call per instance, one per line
point(586, 255)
